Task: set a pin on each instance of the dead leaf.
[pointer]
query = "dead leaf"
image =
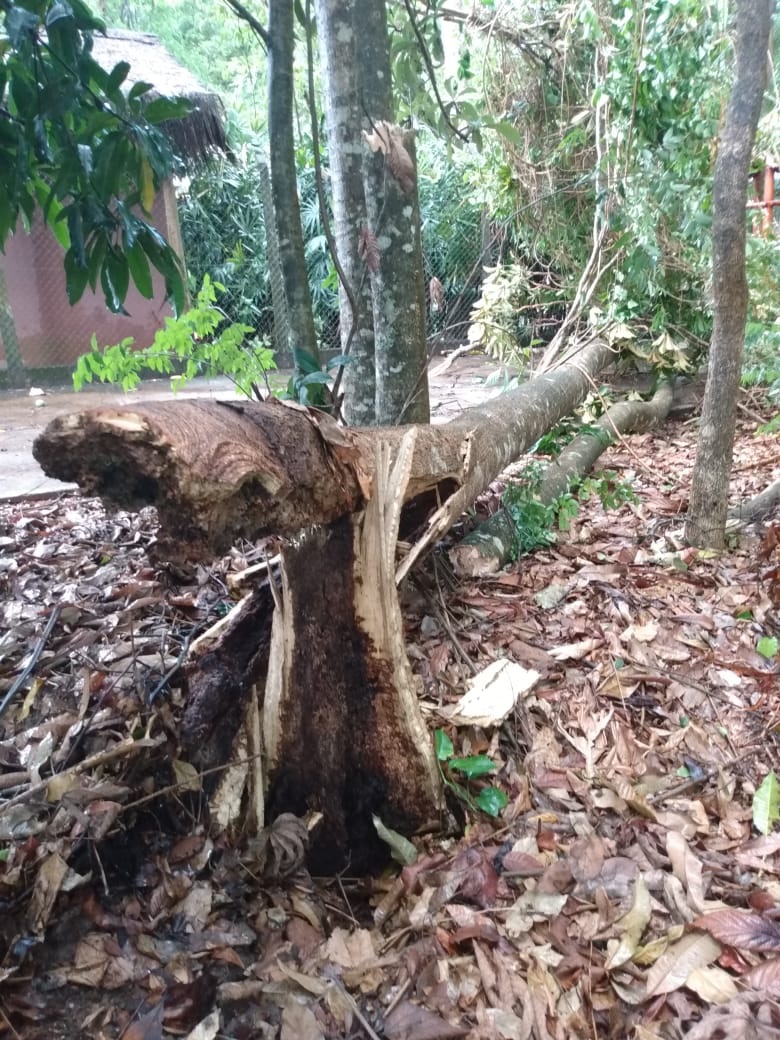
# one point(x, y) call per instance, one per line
point(765, 978)
point(47, 887)
point(389, 139)
point(368, 249)
point(712, 984)
point(674, 967)
point(408, 1021)
point(299, 1023)
point(631, 927)
point(492, 694)
point(350, 949)
point(741, 929)
point(148, 1026)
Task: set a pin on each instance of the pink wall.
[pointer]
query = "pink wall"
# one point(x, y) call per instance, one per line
point(50, 331)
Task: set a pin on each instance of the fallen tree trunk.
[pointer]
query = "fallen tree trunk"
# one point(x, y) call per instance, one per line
point(342, 729)
point(492, 544)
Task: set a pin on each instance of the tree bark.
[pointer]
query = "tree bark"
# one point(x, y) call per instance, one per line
point(492, 544)
point(281, 326)
point(706, 521)
point(287, 211)
point(342, 729)
point(337, 22)
point(398, 283)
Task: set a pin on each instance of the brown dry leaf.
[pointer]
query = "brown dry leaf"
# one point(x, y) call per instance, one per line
point(148, 1026)
point(743, 1018)
point(300, 1023)
point(389, 139)
point(408, 1021)
point(687, 869)
point(350, 949)
point(765, 978)
point(368, 249)
point(47, 887)
point(741, 929)
point(712, 984)
point(673, 968)
point(502, 1024)
point(280, 849)
point(631, 927)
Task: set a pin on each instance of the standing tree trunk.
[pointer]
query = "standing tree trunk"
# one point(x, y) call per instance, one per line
point(398, 283)
point(336, 30)
point(303, 338)
point(281, 327)
point(706, 522)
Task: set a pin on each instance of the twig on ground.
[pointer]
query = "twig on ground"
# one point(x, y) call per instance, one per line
point(126, 749)
point(31, 665)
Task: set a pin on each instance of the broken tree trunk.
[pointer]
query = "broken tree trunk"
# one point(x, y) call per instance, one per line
point(492, 544)
point(342, 730)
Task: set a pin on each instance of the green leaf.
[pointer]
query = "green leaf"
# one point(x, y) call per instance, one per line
point(473, 766)
point(113, 297)
point(315, 378)
point(18, 23)
point(507, 131)
point(766, 804)
point(163, 108)
point(140, 272)
point(76, 277)
point(443, 744)
point(139, 89)
point(118, 76)
point(338, 361)
point(491, 801)
point(768, 646)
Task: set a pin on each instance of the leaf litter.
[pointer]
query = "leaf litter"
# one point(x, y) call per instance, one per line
point(624, 890)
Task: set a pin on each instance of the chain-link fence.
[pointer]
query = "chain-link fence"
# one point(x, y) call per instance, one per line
point(222, 223)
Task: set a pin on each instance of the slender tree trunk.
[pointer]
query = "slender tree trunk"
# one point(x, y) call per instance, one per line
point(398, 284)
point(337, 22)
point(303, 339)
point(281, 330)
point(706, 522)
point(17, 377)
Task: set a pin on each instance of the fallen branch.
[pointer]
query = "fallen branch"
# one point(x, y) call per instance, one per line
point(492, 544)
point(758, 507)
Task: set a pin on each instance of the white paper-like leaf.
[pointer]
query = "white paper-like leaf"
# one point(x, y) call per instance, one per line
point(493, 694)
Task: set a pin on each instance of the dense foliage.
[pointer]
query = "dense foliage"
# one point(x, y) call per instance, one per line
point(79, 148)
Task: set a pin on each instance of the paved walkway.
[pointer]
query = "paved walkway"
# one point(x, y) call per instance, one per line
point(23, 417)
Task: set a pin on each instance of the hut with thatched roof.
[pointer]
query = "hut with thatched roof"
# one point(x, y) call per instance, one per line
point(52, 334)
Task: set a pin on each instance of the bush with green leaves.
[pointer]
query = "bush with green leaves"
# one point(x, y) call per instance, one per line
point(82, 151)
point(199, 342)
point(223, 231)
point(490, 800)
point(535, 522)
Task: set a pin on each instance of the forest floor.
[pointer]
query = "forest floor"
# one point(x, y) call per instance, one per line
point(629, 888)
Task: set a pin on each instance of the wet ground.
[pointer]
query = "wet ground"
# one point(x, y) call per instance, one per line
point(22, 417)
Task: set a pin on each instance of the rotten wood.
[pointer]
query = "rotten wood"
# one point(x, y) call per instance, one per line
point(342, 729)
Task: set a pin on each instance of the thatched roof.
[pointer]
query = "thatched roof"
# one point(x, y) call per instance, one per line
point(199, 134)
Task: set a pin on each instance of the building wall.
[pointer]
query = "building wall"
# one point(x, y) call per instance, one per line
point(52, 333)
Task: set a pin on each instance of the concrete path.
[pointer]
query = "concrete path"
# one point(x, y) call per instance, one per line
point(23, 417)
